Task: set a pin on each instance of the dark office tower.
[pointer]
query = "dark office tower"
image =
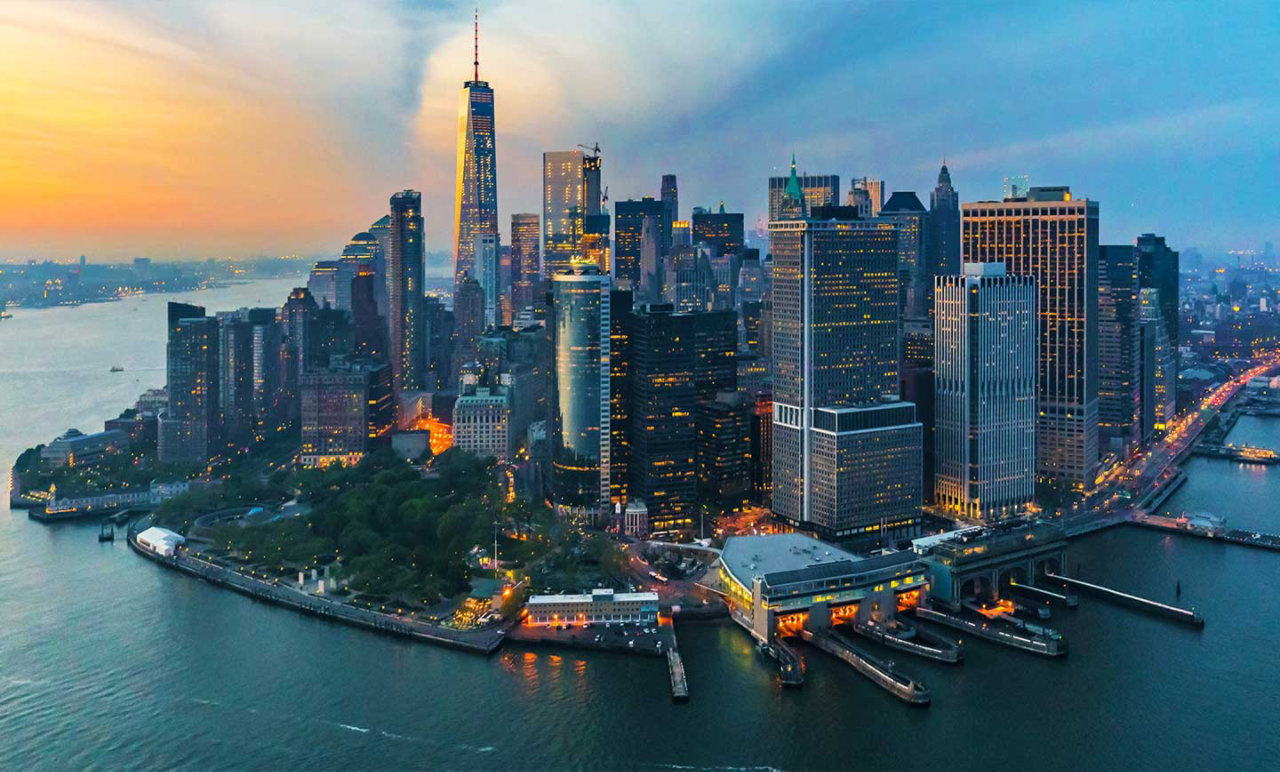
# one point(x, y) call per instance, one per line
point(323, 283)
point(653, 264)
point(724, 451)
point(235, 377)
point(629, 218)
point(904, 209)
point(570, 193)
point(1119, 349)
point(670, 208)
point(722, 231)
point(596, 249)
point(468, 316)
point(690, 280)
point(331, 335)
point(368, 328)
point(752, 285)
point(381, 232)
point(297, 317)
point(917, 381)
point(188, 431)
point(1160, 362)
point(664, 398)
point(943, 242)
point(815, 189)
point(582, 432)
point(620, 304)
point(762, 448)
point(846, 454)
point(404, 291)
point(269, 398)
point(751, 312)
point(1158, 270)
point(437, 336)
point(715, 336)
point(1053, 236)
point(524, 260)
point(476, 192)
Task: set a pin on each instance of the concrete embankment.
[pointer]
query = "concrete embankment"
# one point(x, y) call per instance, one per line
point(880, 673)
point(483, 642)
point(1186, 616)
point(1036, 644)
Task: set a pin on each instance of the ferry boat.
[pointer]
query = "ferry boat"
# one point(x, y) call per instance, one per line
point(117, 369)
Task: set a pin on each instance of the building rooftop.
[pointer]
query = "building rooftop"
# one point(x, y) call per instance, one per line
point(601, 596)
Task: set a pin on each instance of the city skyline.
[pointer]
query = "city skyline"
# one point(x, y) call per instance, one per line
point(221, 122)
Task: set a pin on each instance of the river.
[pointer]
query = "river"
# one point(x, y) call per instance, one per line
point(108, 660)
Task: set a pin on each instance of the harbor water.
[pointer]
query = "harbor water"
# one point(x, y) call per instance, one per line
point(108, 660)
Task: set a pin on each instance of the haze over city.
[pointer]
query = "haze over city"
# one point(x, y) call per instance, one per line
point(185, 130)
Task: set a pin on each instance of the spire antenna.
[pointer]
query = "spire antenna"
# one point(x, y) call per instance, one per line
point(476, 43)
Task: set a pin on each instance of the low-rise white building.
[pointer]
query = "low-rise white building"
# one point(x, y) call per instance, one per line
point(161, 541)
point(598, 606)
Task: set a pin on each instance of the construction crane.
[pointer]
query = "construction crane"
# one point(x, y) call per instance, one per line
point(593, 148)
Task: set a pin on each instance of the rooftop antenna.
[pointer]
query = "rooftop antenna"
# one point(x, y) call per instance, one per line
point(476, 43)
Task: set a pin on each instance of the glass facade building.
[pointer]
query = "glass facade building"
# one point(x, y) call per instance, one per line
point(582, 419)
point(476, 194)
point(404, 290)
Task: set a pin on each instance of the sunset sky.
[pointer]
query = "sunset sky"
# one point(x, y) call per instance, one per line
point(185, 130)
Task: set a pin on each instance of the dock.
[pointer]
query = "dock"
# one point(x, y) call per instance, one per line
point(1172, 612)
point(679, 684)
point(922, 643)
point(1044, 645)
point(1257, 539)
point(790, 666)
point(1031, 591)
point(882, 674)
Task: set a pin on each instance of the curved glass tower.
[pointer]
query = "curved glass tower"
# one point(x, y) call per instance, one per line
point(580, 449)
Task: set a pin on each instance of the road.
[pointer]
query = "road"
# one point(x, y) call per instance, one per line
point(1156, 464)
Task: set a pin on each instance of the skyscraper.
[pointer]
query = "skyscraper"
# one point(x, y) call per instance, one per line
point(1160, 366)
point(188, 430)
point(489, 274)
point(985, 374)
point(581, 412)
point(1052, 236)
point(380, 230)
point(722, 231)
point(664, 400)
point(235, 377)
point(469, 322)
point(867, 194)
point(570, 193)
point(905, 209)
point(629, 217)
point(817, 190)
point(404, 291)
point(1158, 270)
point(671, 208)
point(476, 199)
point(346, 410)
point(943, 244)
point(525, 269)
point(846, 454)
point(1119, 349)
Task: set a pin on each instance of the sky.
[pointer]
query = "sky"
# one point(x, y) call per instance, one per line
point(233, 129)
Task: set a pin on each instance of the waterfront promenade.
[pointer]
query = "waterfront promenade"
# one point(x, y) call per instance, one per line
point(481, 641)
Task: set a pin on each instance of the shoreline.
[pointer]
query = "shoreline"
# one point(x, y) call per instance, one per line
point(485, 642)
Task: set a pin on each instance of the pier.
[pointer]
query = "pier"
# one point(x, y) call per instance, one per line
point(1044, 645)
point(880, 673)
point(1173, 612)
point(1039, 593)
point(1245, 453)
point(790, 666)
point(1184, 526)
point(675, 668)
point(921, 643)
